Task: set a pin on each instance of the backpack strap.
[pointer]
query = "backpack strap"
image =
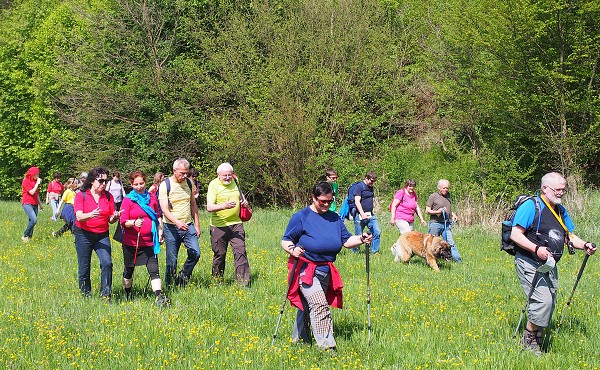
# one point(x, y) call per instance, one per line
point(106, 192)
point(168, 186)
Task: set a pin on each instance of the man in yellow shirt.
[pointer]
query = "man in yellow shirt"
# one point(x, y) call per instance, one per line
point(226, 227)
point(180, 222)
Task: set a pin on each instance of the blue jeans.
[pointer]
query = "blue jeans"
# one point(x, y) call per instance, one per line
point(54, 206)
point(373, 226)
point(438, 229)
point(173, 239)
point(31, 211)
point(85, 243)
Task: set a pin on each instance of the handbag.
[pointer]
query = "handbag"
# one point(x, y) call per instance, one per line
point(118, 235)
point(245, 211)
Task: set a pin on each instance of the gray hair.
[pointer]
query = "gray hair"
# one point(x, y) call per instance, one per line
point(224, 167)
point(553, 178)
point(181, 162)
point(441, 181)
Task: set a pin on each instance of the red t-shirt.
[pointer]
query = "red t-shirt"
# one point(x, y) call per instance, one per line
point(26, 186)
point(55, 187)
point(131, 211)
point(97, 224)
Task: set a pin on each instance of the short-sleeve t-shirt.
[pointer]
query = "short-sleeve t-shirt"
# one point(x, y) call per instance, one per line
point(68, 196)
point(219, 193)
point(546, 231)
point(179, 196)
point(320, 235)
point(366, 194)
point(407, 205)
point(437, 201)
point(335, 187)
point(26, 186)
point(98, 224)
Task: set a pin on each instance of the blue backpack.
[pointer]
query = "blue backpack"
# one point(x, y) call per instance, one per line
point(348, 208)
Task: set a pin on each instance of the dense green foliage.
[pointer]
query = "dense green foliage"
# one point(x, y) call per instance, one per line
point(491, 93)
point(462, 317)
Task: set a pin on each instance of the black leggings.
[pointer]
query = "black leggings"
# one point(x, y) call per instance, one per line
point(145, 256)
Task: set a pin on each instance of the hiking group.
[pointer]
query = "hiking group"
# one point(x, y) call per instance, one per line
point(535, 233)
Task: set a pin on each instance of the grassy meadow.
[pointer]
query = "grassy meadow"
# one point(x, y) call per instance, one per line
point(462, 317)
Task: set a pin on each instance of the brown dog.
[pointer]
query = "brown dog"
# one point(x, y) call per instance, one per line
point(424, 245)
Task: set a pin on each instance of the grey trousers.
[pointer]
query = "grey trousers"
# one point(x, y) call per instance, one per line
point(543, 300)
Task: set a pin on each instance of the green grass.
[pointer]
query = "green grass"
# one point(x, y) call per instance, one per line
point(462, 317)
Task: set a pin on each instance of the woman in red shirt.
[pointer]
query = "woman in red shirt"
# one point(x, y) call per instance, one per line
point(30, 190)
point(142, 235)
point(94, 210)
point(55, 189)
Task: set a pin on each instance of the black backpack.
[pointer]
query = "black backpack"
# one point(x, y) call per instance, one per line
point(507, 244)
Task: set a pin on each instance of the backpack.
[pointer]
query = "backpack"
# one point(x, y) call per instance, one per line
point(507, 244)
point(168, 185)
point(348, 207)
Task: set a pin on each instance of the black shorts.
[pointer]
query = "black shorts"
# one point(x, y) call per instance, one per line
point(144, 254)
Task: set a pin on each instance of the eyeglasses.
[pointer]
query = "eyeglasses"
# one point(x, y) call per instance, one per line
point(102, 181)
point(325, 202)
point(372, 180)
point(557, 191)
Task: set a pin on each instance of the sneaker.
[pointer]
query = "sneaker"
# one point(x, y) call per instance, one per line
point(55, 234)
point(162, 300)
point(25, 239)
point(530, 342)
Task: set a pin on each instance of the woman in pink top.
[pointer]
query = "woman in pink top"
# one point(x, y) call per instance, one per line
point(404, 206)
point(94, 210)
point(30, 190)
point(142, 235)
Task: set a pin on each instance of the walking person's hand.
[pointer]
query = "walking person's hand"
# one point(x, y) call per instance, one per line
point(138, 222)
point(296, 251)
point(181, 225)
point(590, 248)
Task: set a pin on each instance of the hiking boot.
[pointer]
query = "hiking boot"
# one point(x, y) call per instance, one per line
point(162, 300)
point(181, 280)
point(530, 342)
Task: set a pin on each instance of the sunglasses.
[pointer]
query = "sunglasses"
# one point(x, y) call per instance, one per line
point(102, 181)
point(324, 202)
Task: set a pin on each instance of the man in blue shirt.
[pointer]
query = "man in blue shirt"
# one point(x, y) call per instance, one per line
point(541, 237)
point(364, 216)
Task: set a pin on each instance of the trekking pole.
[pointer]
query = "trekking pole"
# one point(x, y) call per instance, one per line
point(137, 245)
point(285, 299)
point(533, 284)
point(368, 269)
point(585, 259)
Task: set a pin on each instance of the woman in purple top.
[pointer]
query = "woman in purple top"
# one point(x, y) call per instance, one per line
point(404, 206)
